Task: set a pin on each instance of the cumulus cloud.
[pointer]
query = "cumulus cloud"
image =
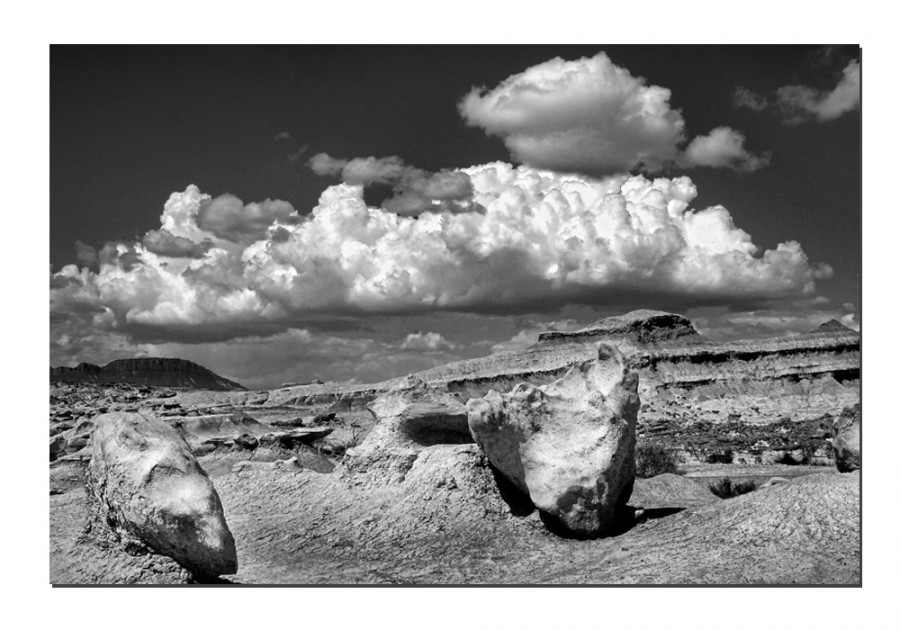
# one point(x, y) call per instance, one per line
point(228, 218)
point(416, 190)
point(588, 116)
point(539, 240)
point(324, 165)
point(282, 136)
point(722, 147)
point(426, 342)
point(799, 102)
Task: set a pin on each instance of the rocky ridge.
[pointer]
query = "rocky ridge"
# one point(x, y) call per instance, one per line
point(684, 377)
point(145, 371)
point(697, 396)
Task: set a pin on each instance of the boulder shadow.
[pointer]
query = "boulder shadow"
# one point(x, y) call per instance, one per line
point(200, 580)
point(627, 518)
point(655, 513)
point(519, 503)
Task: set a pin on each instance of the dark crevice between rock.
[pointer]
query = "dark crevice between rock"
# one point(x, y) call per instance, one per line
point(435, 430)
point(651, 514)
point(519, 503)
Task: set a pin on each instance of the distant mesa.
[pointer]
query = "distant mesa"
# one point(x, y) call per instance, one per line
point(147, 371)
point(832, 326)
point(644, 326)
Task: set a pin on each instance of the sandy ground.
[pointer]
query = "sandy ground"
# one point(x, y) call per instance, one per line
point(448, 522)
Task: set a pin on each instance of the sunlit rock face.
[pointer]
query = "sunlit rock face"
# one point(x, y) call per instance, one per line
point(846, 442)
point(568, 445)
point(146, 490)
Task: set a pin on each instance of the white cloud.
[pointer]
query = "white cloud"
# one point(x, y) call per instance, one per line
point(722, 147)
point(799, 102)
point(539, 240)
point(791, 317)
point(529, 336)
point(228, 218)
point(325, 165)
point(426, 342)
point(591, 116)
point(587, 115)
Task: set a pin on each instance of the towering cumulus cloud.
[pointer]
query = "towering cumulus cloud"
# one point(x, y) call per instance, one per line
point(537, 240)
point(591, 116)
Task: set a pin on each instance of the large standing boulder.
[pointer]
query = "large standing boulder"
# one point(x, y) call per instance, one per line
point(846, 440)
point(568, 445)
point(146, 490)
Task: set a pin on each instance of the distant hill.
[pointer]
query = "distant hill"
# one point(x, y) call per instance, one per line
point(149, 371)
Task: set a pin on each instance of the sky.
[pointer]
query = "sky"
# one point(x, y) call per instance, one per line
point(284, 214)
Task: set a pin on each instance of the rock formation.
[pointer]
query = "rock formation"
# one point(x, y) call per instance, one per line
point(146, 490)
point(409, 418)
point(683, 375)
point(846, 441)
point(568, 445)
point(147, 371)
point(643, 326)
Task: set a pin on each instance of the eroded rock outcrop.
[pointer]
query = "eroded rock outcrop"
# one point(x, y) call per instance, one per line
point(147, 491)
point(410, 418)
point(568, 445)
point(846, 441)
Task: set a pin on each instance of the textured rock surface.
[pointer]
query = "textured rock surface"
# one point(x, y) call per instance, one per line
point(410, 417)
point(447, 523)
point(684, 376)
point(146, 490)
point(671, 491)
point(846, 442)
point(568, 445)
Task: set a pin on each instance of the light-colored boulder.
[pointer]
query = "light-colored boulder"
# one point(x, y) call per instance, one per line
point(570, 444)
point(846, 440)
point(146, 490)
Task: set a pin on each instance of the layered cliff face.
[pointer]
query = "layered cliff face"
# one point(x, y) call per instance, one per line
point(147, 371)
point(683, 375)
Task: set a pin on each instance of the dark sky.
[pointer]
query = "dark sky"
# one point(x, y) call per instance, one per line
point(132, 124)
